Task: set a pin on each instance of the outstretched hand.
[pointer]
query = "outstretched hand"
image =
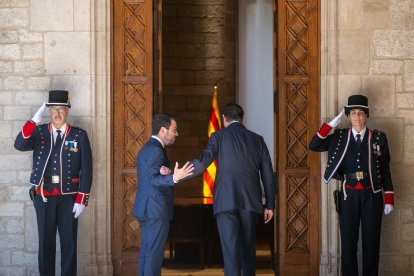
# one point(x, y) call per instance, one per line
point(184, 171)
point(268, 215)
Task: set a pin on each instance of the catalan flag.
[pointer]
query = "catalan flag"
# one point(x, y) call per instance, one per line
point(213, 125)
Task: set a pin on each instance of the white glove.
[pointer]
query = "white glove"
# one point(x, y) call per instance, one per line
point(388, 208)
point(38, 115)
point(78, 209)
point(335, 121)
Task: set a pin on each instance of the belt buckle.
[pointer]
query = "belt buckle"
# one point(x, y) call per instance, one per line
point(359, 175)
point(55, 179)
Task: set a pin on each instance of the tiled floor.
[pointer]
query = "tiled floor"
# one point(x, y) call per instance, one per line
point(207, 272)
point(263, 267)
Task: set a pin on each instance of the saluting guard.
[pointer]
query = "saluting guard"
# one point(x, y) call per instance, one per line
point(359, 157)
point(61, 180)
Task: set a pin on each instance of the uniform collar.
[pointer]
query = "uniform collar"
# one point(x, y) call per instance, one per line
point(63, 129)
point(362, 133)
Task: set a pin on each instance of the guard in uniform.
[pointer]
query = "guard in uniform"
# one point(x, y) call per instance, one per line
point(61, 179)
point(359, 157)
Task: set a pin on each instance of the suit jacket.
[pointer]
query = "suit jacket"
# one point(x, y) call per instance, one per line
point(337, 144)
point(242, 161)
point(154, 198)
point(75, 157)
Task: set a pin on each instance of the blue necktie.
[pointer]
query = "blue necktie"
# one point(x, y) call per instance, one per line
point(58, 138)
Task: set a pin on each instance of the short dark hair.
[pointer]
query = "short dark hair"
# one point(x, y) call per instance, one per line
point(233, 112)
point(161, 120)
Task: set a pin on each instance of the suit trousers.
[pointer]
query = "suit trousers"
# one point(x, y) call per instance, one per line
point(154, 233)
point(237, 231)
point(362, 207)
point(56, 215)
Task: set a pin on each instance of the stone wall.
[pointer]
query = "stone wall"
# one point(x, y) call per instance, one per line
point(44, 45)
point(199, 50)
point(368, 48)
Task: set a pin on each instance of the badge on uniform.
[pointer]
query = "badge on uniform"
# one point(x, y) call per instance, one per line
point(376, 149)
point(71, 145)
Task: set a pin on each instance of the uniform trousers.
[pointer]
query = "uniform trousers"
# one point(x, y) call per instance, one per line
point(154, 233)
point(361, 207)
point(56, 215)
point(237, 231)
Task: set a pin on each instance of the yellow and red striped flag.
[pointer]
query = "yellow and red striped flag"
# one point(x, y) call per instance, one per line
point(213, 125)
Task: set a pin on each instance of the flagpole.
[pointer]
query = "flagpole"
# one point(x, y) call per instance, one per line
point(214, 125)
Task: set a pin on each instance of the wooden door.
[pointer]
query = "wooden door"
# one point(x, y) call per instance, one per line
point(132, 113)
point(297, 120)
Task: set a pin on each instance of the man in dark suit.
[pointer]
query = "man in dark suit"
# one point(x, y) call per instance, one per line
point(359, 157)
point(61, 180)
point(153, 206)
point(242, 161)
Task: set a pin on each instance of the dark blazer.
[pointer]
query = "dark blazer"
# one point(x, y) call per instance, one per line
point(378, 156)
point(242, 161)
point(76, 172)
point(154, 197)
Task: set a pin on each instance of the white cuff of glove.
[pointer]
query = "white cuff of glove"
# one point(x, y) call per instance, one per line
point(78, 209)
point(37, 117)
point(335, 121)
point(388, 208)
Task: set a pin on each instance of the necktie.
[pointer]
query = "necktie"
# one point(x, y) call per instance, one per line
point(58, 138)
point(167, 162)
point(358, 140)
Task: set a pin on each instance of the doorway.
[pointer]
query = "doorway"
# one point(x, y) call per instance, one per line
point(157, 67)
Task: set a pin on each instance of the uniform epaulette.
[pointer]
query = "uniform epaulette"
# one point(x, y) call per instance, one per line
point(342, 130)
point(79, 128)
point(379, 131)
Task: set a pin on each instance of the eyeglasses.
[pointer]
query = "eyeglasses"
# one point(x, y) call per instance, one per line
point(174, 130)
point(58, 110)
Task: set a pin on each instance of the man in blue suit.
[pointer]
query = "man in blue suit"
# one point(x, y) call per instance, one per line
point(242, 161)
point(153, 206)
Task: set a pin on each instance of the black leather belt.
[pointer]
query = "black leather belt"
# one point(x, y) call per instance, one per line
point(357, 175)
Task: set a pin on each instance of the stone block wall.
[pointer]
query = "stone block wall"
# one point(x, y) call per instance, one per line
point(199, 50)
point(368, 48)
point(44, 45)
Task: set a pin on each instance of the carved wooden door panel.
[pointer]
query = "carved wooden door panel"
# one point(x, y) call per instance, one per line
point(297, 93)
point(132, 112)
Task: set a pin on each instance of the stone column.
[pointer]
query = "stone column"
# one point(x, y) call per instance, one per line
point(255, 66)
point(330, 239)
point(101, 221)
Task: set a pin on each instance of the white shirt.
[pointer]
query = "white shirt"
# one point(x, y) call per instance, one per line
point(62, 129)
point(155, 137)
point(362, 133)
